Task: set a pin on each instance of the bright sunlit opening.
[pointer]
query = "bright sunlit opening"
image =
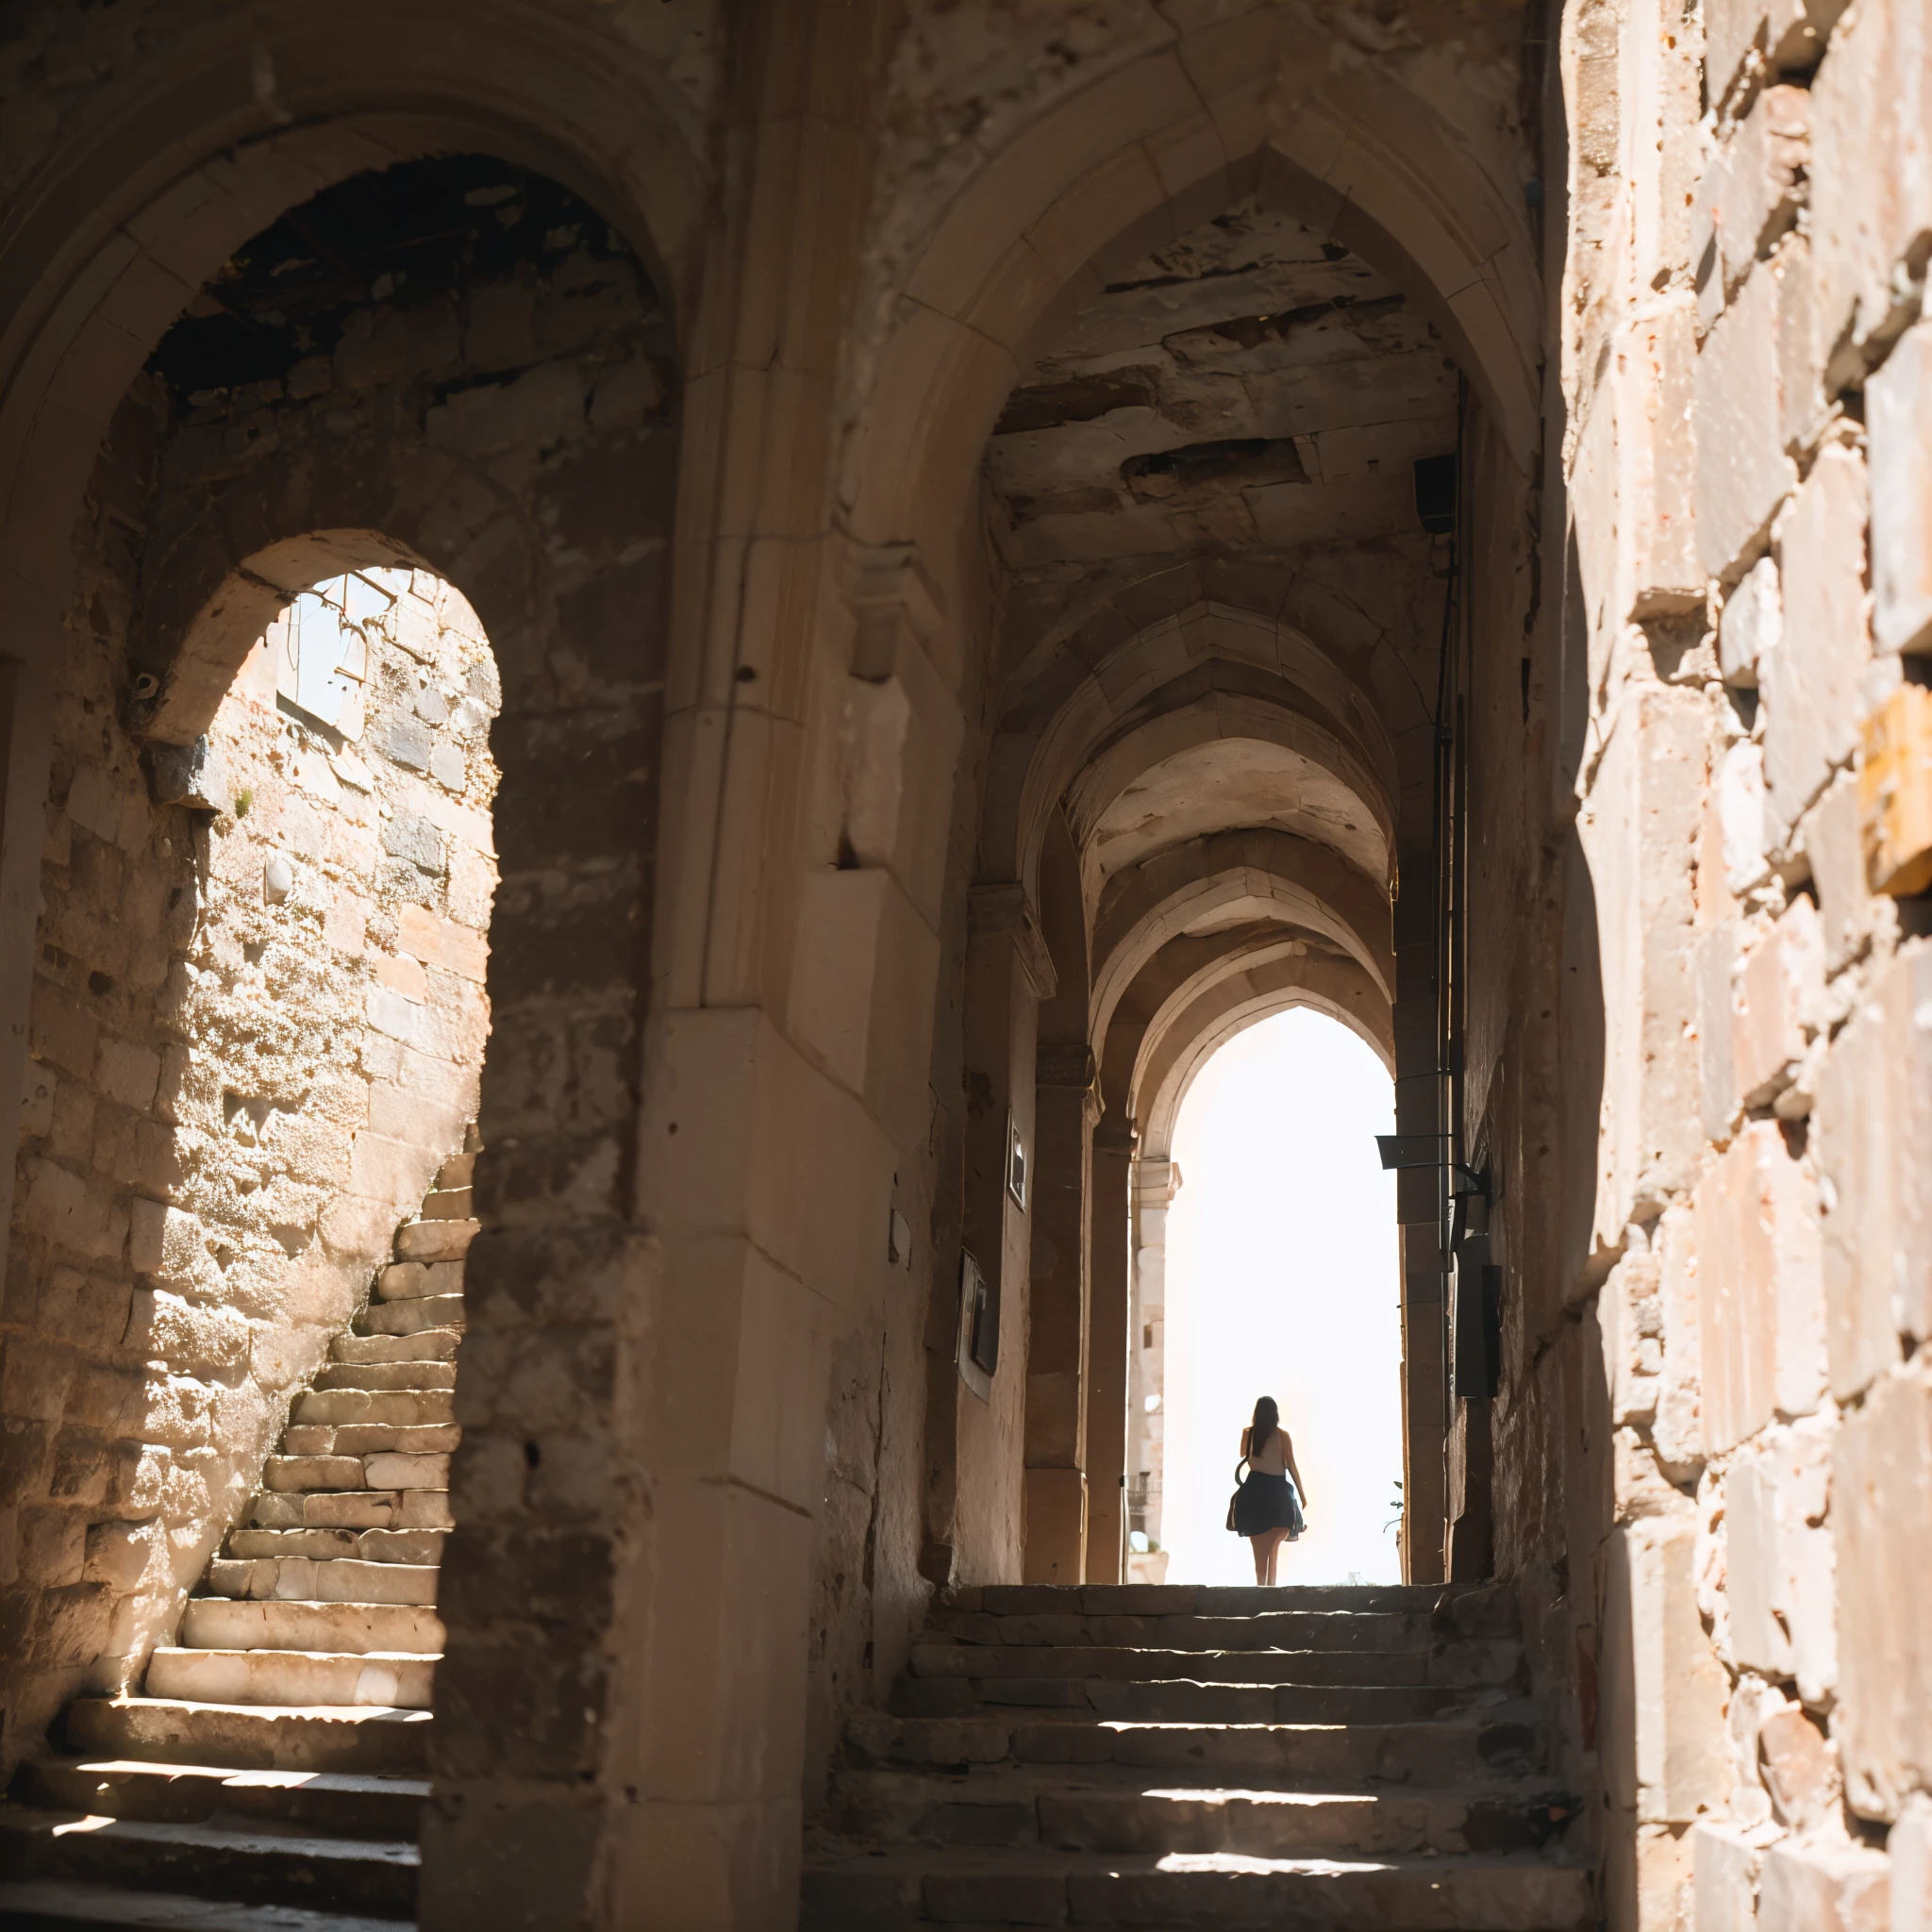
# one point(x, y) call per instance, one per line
point(1282, 1279)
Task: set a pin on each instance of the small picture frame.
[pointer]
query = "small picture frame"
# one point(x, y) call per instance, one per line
point(979, 1347)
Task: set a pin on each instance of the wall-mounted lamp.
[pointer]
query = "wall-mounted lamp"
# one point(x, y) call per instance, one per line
point(1428, 1150)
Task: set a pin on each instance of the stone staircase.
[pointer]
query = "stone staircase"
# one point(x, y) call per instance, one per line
point(1361, 1759)
point(272, 1774)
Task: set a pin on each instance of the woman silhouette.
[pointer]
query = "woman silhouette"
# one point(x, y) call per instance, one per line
point(1267, 1508)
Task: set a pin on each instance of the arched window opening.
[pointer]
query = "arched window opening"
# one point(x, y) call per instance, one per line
point(1266, 1264)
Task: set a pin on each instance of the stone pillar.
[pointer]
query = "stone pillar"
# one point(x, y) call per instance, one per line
point(1065, 1108)
point(1008, 972)
point(1418, 1209)
point(1154, 1185)
point(1106, 1329)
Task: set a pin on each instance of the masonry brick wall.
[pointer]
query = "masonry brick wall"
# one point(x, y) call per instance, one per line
point(1771, 1402)
point(256, 1032)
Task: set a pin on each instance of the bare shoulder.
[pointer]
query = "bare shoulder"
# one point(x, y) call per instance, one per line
point(1246, 1434)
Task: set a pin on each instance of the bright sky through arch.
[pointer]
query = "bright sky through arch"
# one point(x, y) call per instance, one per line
point(1282, 1279)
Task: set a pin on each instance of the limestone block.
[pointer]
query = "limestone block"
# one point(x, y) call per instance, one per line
point(1829, 838)
point(1881, 1489)
point(1813, 682)
point(1780, 1564)
point(1802, 408)
point(1630, 1314)
point(437, 1239)
point(1717, 1028)
point(1871, 183)
point(1725, 1862)
point(387, 1170)
point(1661, 77)
point(1759, 1288)
point(1752, 1701)
point(164, 1327)
point(1895, 793)
point(1800, 1769)
point(1742, 472)
point(864, 956)
point(1750, 193)
point(1750, 625)
point(1779, 992)
point(1898, 406)
point(1662, 1688)
point(1679, 1430)
point(1639, 829)
point(402, 974)
point(1872, 1126)
point(446, 942)
point(1824, 1888)
point(86, 1310)
point(1908, 1846)
point(1743, 824)
point(1657, 462)
point(1790, 31)
point(72, 1212)
point(61, 1030)
point(119, 1553)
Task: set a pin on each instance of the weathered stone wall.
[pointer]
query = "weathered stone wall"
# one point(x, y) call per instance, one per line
point(258, 1021)
point(1749, 386)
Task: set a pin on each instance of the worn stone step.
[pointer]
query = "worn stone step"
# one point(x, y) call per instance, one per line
point(329, 1738)
point(218, 1622)
point(423, 1345)
point(352, 1510)
point(313, 1472)
point(344, 1802)
point(327, 1580)
point(1105, 1808)
point(1084, 1699)
point(291, 1677)
point(1496, 1663)
point(374, 1877)
point(397, 1375)
point(75, 1905)
point(371, 1439)
point(983, 1889)
point(396, 1408)
point(386, 1470)
point(451, 1202)
point(1334, 1630)
point(400, 1281)
point(1446, 1752)
point(439, 1238)
point(417, 1316)
point(1476, 1609)
point(413, 1546)
point(459, 1170)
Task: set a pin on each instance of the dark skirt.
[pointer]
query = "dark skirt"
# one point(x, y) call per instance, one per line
point(1267, 1501)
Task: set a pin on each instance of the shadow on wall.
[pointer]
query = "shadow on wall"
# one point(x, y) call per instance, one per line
point(260, 1026)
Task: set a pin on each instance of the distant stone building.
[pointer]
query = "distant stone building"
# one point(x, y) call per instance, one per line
point(668, 669)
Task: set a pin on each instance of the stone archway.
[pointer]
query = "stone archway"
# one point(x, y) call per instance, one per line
point(508, 421)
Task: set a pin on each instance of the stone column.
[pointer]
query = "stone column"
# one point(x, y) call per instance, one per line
point(1008, 972)
point(1418, 1210)
point(1106, 1329)
point(1065, 1108)
point(1154, 1185)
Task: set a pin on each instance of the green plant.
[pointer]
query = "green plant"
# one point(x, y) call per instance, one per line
point(243, 801)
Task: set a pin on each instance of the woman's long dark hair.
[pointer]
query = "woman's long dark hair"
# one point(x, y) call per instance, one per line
point(1267, 1420)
